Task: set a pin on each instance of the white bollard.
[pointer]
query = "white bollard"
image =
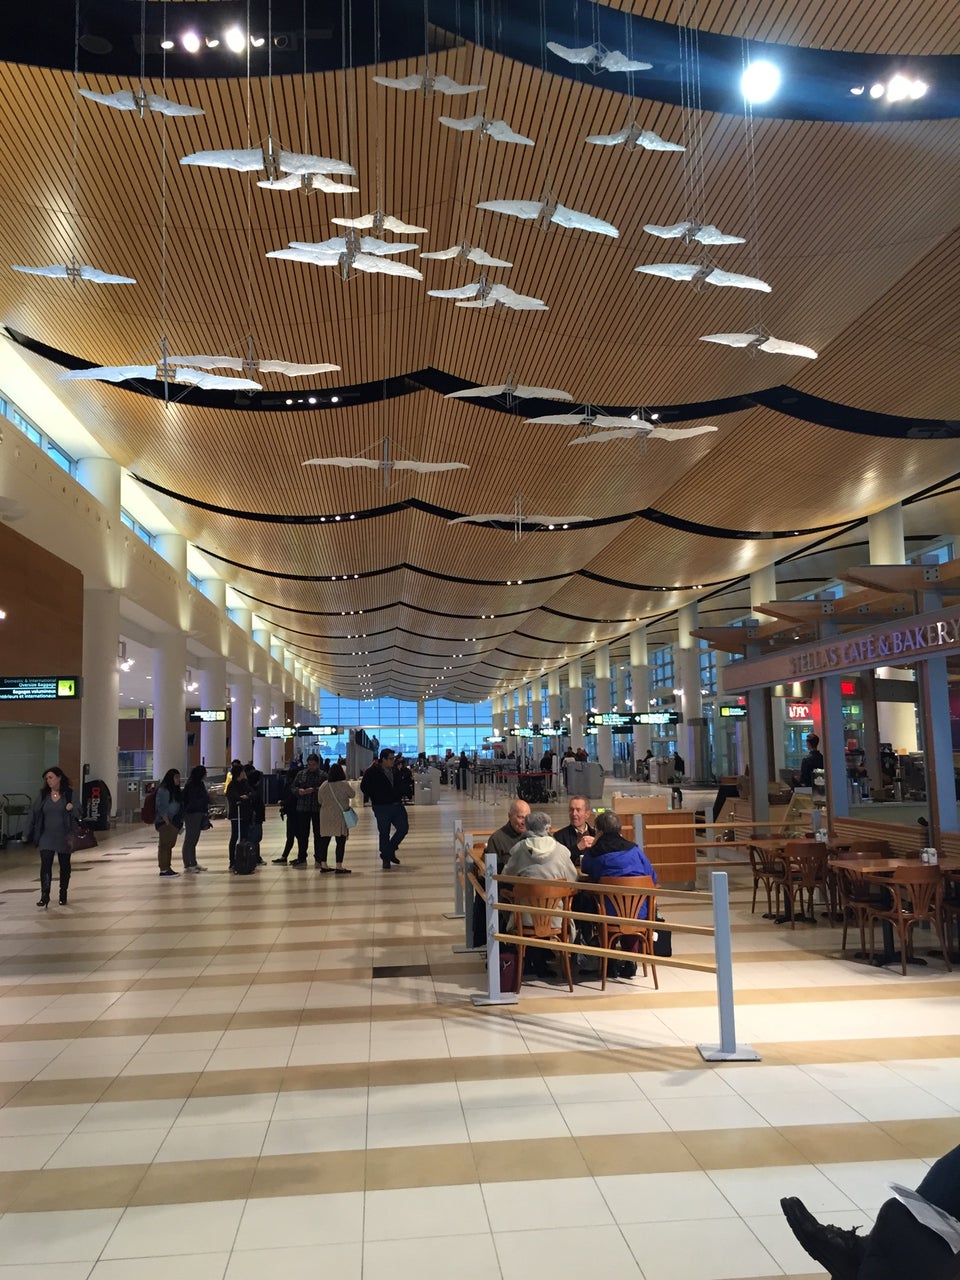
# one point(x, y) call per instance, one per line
point(459, 850)
point(727, 1050)
point(494, 994)
point(469, 894)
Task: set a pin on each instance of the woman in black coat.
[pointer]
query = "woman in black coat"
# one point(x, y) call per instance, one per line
point(51, 821)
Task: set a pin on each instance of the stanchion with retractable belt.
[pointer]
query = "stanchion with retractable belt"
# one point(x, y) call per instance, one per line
point(727, 1050)
point(469, 894)
point(459, 873)
point(494, 994)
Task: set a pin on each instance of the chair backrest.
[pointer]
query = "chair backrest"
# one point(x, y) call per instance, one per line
point(632, 892)
point(808, 858)
point(919, 890)
point(542, 893)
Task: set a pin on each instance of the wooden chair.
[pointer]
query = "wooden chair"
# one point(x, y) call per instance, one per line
point(554, 896)
point(917, 895)
point(951, 904)
point(626, 898)
point(857, 896)
point(804, 864)
point(768, 871)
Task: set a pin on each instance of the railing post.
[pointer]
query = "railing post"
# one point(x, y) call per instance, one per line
point(459, 867)
point(468, 899)
point(494, 994)
point(727, 1050)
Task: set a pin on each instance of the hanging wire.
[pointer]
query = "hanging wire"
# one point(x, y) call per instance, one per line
point(163, 225)
point(752, 192)
point(75, 142)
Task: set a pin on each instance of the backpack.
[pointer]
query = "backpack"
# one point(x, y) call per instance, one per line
point(148, 812)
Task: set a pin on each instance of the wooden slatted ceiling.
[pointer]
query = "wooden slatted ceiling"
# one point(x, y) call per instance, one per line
point(861, 26)
point(868, 257)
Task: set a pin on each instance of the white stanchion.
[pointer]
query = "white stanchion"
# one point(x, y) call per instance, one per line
point(459, 869)
point(469, 896)
point(727, 1050)
point(494, 994)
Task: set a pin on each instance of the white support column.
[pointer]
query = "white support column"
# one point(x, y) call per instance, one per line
point(422, 727)
point(577, 707)
point(691, 739)
point(885, 533)
point(101, 478)
point(602, 684)
point(172, 547)
point(215, 589)
point(498, 716)
point(169, 703)
point(277, 745)
point(241, 716)
point(101, 687)
point(261, 746)
point(763, 589)
point(213, 694)
point(553, 699)
point(640, 685)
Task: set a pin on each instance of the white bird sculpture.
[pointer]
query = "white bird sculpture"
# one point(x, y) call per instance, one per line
point(518, 518)
point(250, 365)
point(614, 427)
point(379, 222)
point(429, 83)
point(499, 130)
point(634, 136)
point(250, 159)
point(511, 391)
point(484, 294)
point(704, 233)
point(698, 273)
point(148, 372)
point(761, 342)
point(76, 271)
point(362, 253)
point(468, 253)
point(307, 182)
point(597, 57)
point(141, 101)
point(387, 464)
point(548, 210)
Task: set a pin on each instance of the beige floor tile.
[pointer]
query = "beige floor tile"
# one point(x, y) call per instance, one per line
point(195, 1181)
point(520, 1161)
point(297, 1175)
point(646, 1153)
point(88, 1188)
point(391, 1167)
point(738, 1149)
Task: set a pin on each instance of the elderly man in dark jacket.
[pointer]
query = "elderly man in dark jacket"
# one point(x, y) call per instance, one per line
point(612, 855)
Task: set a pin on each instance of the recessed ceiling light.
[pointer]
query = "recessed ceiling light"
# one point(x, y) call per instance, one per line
point(857, 90)
point(190, 41)
point(760, 81)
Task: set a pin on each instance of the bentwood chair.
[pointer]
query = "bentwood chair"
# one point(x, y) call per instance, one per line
point(553, 896)
point(917, 895)
point(857, 896)
point(767, 871)
point(626, 899)
point(804, 864)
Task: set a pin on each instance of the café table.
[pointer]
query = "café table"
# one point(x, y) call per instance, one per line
point(878, 866)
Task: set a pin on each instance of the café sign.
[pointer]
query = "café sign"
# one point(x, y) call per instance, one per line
point(926, 636)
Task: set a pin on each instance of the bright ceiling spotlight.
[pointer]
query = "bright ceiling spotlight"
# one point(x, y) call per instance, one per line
point(212, 42)
point(257, 41)
point(917, 88)
point(166, 44)
point(877, 91)
point(190, 41)
point(760, 81)
point(235, 40)
point(898, 88)
point(857, 90)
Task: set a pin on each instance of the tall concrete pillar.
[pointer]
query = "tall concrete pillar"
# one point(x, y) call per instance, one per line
point(640, 686)
point(691, 735)
point(602, 684)
point(577, 708)
point(261, 716)
point(169, 702)
point(885, 533)
point(763, 589)
point(213, 695)
point(101, 687)
point(172, 547)
point(422, 727)
point(241, 716)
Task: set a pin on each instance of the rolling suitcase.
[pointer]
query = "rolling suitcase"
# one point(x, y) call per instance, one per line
point(245, 858)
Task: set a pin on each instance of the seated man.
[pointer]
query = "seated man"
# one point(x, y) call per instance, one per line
point(579, 835)
point(613, 855)
point(901, 1245)
point(539, 857)
point(501, 842)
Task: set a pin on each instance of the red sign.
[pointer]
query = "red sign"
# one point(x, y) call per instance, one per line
point(848, 688)
point(799, 711)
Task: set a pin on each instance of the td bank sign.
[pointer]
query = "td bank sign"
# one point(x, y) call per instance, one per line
point(922, 637)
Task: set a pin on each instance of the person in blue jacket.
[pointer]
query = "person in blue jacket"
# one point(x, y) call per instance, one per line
point(613, 855)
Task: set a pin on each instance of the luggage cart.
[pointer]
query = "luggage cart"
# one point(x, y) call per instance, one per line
point(14, 809)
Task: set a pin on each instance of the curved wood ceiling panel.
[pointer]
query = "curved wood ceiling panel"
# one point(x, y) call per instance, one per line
point(855, 226)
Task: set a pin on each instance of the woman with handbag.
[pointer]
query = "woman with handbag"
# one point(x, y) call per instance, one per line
point(52, 822)
point(336, 818)
point(196, 816)
point(169, 819)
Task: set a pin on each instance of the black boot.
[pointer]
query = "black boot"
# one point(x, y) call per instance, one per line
point(63, 891)
point(839, 1250)
point(44, 889)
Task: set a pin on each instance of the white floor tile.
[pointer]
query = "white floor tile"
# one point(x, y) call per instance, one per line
point(705, 1082)
point(423, 1211)
point(102, 1117)
point(479, 1094)
point(757, 1192)
point(559, 1202)
point(327, 1133)
point(196, 1266)
point(384, 1099)
point(865, 1182)
point(124, 1146)
point(29, 1152)
point(69, 1235)
point(23, 1121)
point(252, 1108)
point(565, 1253)
point(612, 1117)
point(720, 1249)
point(417, 1128)
point(709, 1113)
point(489, 1125)
point(473, 1257)
point(312, 1104)
point(300, 1221)
point(163, 1230)
point(664, 1197)
point(216, 1142)
point(342, 1261)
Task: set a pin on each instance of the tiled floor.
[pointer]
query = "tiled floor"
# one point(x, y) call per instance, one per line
point(223, 1078)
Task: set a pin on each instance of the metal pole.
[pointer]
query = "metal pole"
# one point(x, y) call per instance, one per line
point(494, 994)
point(459, 853)
point(468, 899)
point(727, 1050)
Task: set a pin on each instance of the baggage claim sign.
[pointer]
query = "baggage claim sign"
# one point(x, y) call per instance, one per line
point(927, 636)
